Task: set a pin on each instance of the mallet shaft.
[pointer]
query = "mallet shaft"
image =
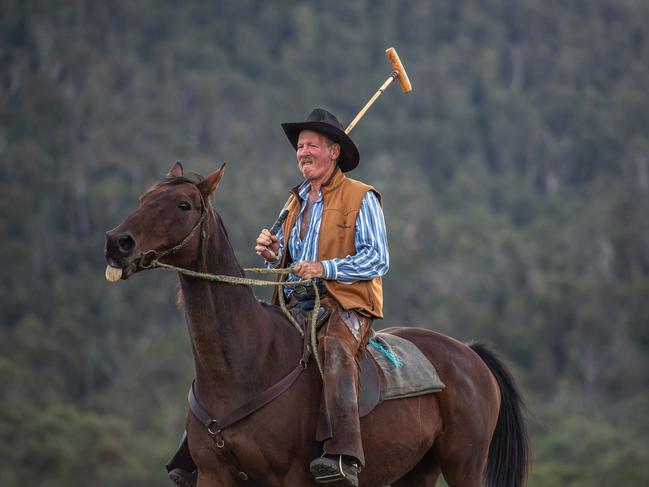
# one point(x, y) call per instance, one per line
point(278, 223)
point(367, 106)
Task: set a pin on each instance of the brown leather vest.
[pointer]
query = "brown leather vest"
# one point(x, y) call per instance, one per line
point(342, 198)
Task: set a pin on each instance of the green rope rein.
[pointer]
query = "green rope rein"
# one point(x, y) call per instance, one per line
point(246, 281)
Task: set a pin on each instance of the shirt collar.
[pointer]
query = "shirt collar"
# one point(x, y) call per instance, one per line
point(302, 190)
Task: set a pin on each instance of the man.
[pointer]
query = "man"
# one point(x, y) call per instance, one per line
point(334, 233)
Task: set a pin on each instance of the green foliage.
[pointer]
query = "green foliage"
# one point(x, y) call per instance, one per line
point(579, 447)
point(514, 177)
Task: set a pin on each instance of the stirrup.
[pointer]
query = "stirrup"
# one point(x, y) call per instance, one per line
point(324, 474)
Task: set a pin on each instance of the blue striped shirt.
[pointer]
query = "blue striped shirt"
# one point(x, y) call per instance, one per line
point(371, 259)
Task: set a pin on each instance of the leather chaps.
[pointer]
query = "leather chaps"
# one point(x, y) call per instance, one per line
point(341, 341)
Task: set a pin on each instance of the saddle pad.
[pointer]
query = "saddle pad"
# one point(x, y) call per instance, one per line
point(414, 376)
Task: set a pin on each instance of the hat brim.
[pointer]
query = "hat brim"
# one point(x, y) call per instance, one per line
point(349, 155)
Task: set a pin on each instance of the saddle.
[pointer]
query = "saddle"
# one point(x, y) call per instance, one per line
point(392, 368)
point(303, 316)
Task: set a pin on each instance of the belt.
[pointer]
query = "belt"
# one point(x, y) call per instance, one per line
point(306, 292)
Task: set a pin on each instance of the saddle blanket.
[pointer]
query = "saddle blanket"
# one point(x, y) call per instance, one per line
point(391, 368)
point(406, 369)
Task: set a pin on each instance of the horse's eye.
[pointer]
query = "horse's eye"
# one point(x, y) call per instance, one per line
point(184, 206)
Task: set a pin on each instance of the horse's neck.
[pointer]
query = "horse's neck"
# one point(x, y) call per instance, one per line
point(232, 335)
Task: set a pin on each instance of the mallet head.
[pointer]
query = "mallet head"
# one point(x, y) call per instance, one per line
point(397, 66)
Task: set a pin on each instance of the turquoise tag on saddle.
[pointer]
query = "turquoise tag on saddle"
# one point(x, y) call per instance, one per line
point(390, 356)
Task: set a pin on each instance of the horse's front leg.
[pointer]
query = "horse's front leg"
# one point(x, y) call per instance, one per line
point(213, 469)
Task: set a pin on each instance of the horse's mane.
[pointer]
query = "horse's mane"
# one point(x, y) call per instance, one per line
point(191, 178)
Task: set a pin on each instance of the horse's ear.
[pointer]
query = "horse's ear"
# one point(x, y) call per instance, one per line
point(176, 171)
point(211, 182)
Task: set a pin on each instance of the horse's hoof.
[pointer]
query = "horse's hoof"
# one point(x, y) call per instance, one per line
point(335, 468)
point(183, 478)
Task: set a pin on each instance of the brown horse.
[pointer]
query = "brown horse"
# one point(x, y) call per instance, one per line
point(471, 431)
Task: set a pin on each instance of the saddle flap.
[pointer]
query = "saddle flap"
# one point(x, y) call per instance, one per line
point(370, 385)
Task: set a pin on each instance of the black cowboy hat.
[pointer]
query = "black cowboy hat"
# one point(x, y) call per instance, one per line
point(324, 122)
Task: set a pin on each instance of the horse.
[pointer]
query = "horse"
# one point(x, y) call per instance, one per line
point(472, 431)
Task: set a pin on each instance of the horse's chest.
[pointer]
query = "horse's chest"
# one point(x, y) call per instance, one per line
point(258, 447)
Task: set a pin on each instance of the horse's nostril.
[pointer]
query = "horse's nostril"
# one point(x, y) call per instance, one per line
point(125, 244)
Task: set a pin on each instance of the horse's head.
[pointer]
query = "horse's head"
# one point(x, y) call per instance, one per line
point(166, 224)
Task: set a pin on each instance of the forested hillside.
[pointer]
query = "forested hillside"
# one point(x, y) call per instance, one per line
point(515, 181)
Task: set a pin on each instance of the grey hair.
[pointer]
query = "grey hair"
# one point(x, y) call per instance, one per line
point(329, 143)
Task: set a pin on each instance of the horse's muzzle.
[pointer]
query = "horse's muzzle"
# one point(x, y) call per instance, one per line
point(119, 248)
point(122, 251)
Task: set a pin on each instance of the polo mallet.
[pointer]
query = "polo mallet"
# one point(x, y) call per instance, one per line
point(398, 71)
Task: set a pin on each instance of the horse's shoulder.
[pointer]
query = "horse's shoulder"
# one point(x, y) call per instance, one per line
point(277, 315)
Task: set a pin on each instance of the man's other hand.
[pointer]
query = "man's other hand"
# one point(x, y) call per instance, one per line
point(267, 245)
point(308, 270)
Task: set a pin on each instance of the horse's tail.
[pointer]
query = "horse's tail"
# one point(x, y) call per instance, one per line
point(509, 449)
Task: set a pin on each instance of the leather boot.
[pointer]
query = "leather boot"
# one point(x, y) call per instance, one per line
point(181, 467)
point(335, 468)
point(183, 478)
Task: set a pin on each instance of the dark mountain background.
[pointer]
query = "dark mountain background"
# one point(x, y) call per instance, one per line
point(515, 180)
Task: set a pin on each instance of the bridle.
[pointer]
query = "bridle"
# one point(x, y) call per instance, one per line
point(156, 255)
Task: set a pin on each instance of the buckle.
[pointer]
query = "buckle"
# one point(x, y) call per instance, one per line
point(300, 289)
point(303, 292)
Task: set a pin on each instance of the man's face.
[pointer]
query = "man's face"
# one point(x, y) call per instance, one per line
point(314, 158)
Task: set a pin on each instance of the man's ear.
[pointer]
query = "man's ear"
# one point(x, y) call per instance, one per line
point(208, 185)
point(176, 171)
point(335, 151)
